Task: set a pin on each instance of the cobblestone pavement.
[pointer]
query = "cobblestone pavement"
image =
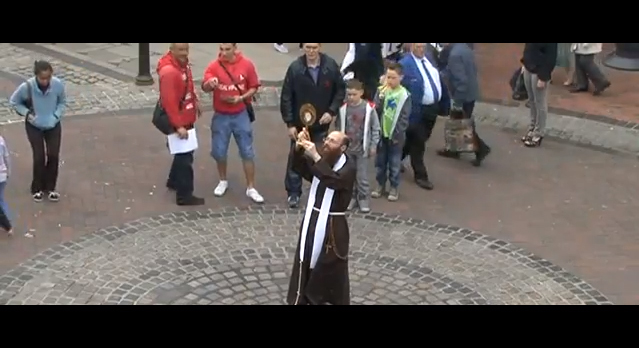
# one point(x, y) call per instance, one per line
point(243, 256)
point(570, 205)
point(123, 57)
point(88, 92)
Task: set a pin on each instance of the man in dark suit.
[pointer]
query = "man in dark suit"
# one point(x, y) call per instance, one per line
point(429, 97)
point(460, 71)
point(365, 62)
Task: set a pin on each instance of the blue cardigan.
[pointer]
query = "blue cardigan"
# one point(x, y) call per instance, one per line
point(414, 83)
point(48, 107)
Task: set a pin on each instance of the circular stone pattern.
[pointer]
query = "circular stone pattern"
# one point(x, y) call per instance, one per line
point(238, 256)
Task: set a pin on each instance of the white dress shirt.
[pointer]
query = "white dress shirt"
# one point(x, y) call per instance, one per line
point(429, 98)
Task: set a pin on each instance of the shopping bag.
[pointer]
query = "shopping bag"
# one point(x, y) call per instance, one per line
point(459, 134)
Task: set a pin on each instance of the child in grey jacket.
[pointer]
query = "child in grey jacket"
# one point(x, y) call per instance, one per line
point(359, 120)
point(393, 103)
point(5, 170)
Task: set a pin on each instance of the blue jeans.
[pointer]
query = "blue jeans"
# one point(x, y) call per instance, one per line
point(388, 163)
point(3, 203)
point(237, 125)
point(292, 180)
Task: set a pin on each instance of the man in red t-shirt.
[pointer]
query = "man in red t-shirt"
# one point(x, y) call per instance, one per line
point(233, 80)
point(179, 100)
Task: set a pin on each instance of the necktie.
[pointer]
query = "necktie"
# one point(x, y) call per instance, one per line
point(433, 86)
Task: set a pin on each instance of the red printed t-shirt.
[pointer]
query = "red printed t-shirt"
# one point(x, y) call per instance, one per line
point(244, 75)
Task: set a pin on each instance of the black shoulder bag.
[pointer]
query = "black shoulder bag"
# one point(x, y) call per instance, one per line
point(161, 118)
point(249, 106)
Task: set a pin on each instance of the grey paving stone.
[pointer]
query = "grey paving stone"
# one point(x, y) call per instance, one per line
point(233, 256)
point(89, 92)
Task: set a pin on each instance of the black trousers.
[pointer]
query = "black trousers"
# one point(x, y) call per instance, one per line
point(45, 149)
point(181, 175)
point(417, 135)
point(482, 147)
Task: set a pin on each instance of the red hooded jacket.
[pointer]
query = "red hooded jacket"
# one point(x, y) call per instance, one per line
point(177, 93)
point(244, 75)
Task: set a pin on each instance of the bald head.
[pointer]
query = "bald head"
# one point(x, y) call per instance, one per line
point(335, 144)
point(338, 137)
point(180, 51)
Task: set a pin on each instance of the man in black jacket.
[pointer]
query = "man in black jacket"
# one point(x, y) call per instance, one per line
point(315, 79)
point(365, 62)
point(539, 61)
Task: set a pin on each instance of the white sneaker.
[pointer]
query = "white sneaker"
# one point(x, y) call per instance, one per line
point(254, 195)
point(280, 48)
point(221, 188)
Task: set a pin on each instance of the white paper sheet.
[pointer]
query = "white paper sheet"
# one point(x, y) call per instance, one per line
point(177, 145)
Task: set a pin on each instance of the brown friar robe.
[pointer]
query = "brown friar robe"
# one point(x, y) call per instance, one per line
point(320, 268)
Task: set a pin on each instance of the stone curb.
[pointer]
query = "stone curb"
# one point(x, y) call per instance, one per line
point(573, 129)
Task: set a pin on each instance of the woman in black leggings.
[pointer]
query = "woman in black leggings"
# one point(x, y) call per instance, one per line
point(42, 101)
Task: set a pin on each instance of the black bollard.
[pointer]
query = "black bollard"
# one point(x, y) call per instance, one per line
point(625, 57)
point(144, 77)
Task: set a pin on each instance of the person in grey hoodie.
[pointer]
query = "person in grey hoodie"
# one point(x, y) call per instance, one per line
point(393, 104)
point(42, 101)
point(358, 119)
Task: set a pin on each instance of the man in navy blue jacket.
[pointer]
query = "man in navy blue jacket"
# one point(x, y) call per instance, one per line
point(429, 99)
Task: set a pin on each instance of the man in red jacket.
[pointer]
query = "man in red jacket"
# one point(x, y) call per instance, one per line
point(178, 98)
point(234, 81)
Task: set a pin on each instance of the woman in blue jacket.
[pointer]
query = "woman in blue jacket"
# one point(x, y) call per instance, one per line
point(42, 100)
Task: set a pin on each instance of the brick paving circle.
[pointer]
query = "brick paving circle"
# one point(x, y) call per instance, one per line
point(243, 256)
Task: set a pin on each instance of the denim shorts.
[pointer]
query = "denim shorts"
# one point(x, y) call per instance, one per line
point(225, 125)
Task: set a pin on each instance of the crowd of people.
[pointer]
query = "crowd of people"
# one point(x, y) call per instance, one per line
point(383, 102)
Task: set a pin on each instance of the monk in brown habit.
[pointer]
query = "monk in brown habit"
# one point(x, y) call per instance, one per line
point(320, 270)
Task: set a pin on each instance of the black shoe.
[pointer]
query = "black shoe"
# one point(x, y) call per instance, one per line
point(480, 156)
point(293, 201)
point(170, 186)
point(602, 88)
point(38, 196)
point(448, 154)
point(190, 201)
point(425, 184)
point(576, 89)
point(534, 141)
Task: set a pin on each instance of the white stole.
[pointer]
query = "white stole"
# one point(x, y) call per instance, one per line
point(349, 58)
point(322, 219)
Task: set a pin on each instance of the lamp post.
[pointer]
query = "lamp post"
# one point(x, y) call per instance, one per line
point(625, 57)
point(144, 77)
